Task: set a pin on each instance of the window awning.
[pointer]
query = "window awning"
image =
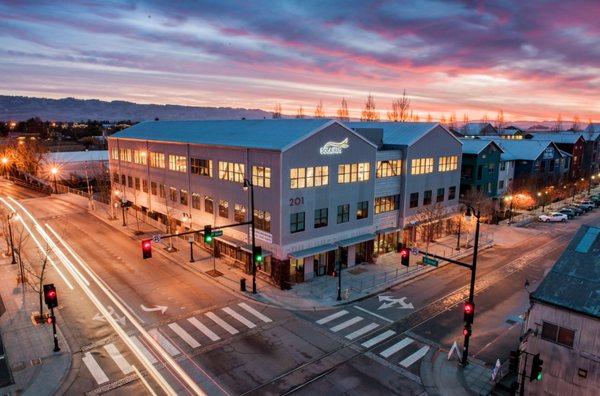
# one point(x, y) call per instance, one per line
point(229, 241)
point(386, 230)
point(314, 250)
point(356, 239)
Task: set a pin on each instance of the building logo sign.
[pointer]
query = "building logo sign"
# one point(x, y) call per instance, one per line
point(334, 148)
point(549, 153)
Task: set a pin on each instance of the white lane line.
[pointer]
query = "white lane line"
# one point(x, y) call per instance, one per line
point(362, 331)
point(345, 324)
point(374, 314)
point(151, 358)
point(94, 368)
point(254, 312)
point(415, 356)
point(118, 358)
point(184, 335)
point(376, 340)
point(146, 384)
point(396, 347)
point(332, 317)
point(162, 340)
point(230, 329)
point(207, 332)
point(239, 317)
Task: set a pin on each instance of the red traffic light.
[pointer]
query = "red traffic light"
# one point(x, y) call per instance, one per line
point(404, 252)
point(147, 248)
point(50, 297)
point(51, 294)
point(405, 256)
point(49, 320)
point(466, 331)
point(469, 310)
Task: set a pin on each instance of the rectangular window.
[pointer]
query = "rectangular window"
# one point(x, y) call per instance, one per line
point(557, 334)
point(451, 193)
point(145, 185)
point(177, 163)
point(351, 173)
point(491, 167)
point(479, 172)
point(448, 164)
point(202, 167)
point(153, 188)
point(414, 200)
point(387, 204)
point(140, 157)
point(173, 194)
point(321, 216)
point(421, 166)
point(116, 178)
point(196, 201)
point(239, 213)
point(183, 197)
point(362, 210)
point(231, 171)
point(114, 154)
point(130, 181)
point(261, 176)
point(343, 213)
point(503, 165)
point(123, 182)
point(440, 195)
point(501, 184)
point(262, 220)
point(137, 183)
point(223, 208)
point(309, 177)
point(427, 197)
point(125, 155)
point(296, 222)
point(157, 160)
point(163, 191)
point(389, 168)
point(208, 204)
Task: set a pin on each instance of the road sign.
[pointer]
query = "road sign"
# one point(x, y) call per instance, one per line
point(156, 238)
point(217, 233)
point(430, 261)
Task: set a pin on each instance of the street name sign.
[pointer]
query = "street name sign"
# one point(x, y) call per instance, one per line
point(430, 261)
point(217, 233)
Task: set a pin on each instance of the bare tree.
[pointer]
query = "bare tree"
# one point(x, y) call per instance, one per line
point(28, 156)
point(300, 113)
point(558, 124)
point(369, 113)
point(576, 124)
point(452, 121)
point(319, 112)
point(500, 124)
point(485, 119)
point(35, 274)
point(400, 109)
point(277, 111)
point(342, 112)
point(429, 219)
point(443, 120)
point(416, 117)
point(478, 199)
point(465, 119)
point(429, 118)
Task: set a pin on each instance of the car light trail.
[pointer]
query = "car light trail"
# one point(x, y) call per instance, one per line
point(39, 245)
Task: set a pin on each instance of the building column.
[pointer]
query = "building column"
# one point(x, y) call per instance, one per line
point(351, 256)
point(308, 268)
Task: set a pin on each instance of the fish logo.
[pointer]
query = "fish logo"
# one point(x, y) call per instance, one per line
point(330, 148)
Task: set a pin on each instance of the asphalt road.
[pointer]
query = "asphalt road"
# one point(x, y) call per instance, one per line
point(229, 344)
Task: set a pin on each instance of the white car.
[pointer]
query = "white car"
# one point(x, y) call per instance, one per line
point(587, 204)
point(554, 216)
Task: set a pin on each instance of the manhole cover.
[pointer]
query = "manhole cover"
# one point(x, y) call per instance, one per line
point(510, 321)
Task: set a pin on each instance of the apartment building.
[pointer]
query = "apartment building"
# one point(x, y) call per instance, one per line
point(325, 191)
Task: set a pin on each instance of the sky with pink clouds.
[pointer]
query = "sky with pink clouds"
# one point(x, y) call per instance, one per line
point(533, 59)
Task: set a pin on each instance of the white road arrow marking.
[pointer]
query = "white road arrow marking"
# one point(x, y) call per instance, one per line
point(121, 319)
point(389, 301)
point(160, 308)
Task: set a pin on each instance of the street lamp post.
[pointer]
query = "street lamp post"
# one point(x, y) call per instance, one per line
point(509, 198)
point(191, 240)
point(54, 171)
point(248, 184)
point(477, 215)
point(339, 274)
point(5, 166)
point(590, 184)
point(459, 225)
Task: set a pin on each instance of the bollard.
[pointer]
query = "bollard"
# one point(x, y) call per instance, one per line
point(243, 284)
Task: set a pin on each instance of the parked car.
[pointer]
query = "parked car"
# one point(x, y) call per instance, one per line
point(587, 204)
point(578, 211)
point(553, 216)
point(569, 212)
point(595, 199)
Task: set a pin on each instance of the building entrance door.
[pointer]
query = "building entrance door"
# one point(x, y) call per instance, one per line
point(320, 264)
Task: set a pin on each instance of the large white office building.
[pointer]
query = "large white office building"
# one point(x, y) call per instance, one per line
point(325, 191)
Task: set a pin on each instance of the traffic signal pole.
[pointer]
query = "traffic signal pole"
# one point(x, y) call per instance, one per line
point(471, 288)
point(253, 236)
point(56, 347)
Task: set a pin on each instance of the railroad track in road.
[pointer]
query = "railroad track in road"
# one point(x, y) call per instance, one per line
point(350, 350)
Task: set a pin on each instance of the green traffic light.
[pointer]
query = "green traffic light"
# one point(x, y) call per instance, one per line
point(259, 259)
point(539, 377)
point(208, 238)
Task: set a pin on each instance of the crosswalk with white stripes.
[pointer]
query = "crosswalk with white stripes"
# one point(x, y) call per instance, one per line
point(388, 344)
point(192, 332)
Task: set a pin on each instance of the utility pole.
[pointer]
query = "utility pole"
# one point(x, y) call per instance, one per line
point(247, 184)
point(191, 240)
point(339, 289)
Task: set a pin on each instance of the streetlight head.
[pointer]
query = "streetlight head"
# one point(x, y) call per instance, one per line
point(54, 170)
point(246, 184)
point(4, 160)
point(539, 194)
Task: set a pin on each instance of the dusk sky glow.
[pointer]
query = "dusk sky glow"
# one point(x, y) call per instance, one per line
point(533, 59)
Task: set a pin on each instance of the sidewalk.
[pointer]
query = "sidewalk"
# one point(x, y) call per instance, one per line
point(321, 292)
point(441, 376)
point(36, 369)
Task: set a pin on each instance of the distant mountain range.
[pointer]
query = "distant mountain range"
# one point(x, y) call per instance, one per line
point(20, 108)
